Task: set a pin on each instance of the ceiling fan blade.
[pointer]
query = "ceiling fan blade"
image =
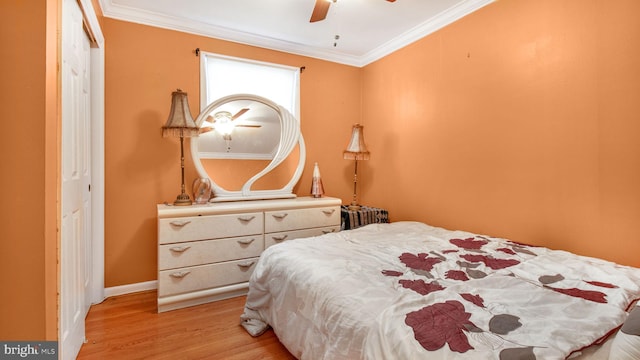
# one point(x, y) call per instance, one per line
point(249, 126)
point(239, 113)
point(205, 129)
point(320, 10)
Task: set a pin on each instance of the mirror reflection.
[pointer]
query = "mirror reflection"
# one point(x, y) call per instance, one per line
point(240, 129)
point(233, 174)
point(249, 147)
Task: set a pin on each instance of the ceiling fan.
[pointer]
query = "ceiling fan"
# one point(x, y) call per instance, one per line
point(225, 122)
point(322, 7)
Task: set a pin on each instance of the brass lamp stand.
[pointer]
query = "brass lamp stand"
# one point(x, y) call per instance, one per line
point(180, 123)
point(356, 150)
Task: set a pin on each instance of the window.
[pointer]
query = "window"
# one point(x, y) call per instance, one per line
point(224, 75)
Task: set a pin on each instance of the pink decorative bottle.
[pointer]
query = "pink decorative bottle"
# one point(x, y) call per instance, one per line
point(316, 184)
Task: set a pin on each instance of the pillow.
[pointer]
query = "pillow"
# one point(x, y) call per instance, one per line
point(626, 344)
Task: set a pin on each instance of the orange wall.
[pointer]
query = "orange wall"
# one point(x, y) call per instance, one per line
point(516, 121)
point(143, 66)
point(521, 120)
point(28, 246)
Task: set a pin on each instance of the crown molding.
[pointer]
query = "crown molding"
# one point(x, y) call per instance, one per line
point(437, 22)
point(430, 26)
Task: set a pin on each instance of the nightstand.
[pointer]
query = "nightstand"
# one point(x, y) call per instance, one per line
point(352, 219)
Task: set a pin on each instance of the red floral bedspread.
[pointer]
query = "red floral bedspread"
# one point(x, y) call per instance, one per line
point(410, 291)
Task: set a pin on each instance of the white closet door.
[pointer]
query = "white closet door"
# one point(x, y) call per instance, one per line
point(75, 248)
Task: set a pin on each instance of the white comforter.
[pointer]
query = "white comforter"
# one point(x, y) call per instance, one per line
point(407, 290)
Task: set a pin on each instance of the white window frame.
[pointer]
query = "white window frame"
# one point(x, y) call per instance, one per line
point(245, 80)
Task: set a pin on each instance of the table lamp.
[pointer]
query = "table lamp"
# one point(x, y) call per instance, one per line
point(356, 150)
point(180, 123)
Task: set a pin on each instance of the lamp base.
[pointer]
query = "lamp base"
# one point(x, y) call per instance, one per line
point(183, 200)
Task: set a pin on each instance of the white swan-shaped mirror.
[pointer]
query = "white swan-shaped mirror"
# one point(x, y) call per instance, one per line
point(251, 136)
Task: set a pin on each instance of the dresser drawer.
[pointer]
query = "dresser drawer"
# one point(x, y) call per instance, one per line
point(285, 220)
point(171, 256)
point(195, 278)
point(174, 230)
point(278, 237)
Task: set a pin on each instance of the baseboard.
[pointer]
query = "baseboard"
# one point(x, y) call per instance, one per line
point(130, 288)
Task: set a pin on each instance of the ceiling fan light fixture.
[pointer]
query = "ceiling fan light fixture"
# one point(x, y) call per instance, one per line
point(223, 122)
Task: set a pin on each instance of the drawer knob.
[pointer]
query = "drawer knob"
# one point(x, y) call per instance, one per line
point(245, 241)
point(180, 274)
point(246, 264)
point(180, 249)
point(280, 216)
point(328, 231)
point(180, 223)
point(279, 238)
point(328, 211)
point(246, 218)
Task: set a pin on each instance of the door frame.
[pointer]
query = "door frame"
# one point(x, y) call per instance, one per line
point(97, 75)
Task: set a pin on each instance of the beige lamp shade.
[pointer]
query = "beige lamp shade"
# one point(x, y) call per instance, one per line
point(180, 122)
point(357, 149)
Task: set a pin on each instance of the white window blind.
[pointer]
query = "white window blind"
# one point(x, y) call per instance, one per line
point(224, 75)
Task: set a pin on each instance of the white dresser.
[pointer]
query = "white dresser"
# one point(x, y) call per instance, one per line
point(208, 252)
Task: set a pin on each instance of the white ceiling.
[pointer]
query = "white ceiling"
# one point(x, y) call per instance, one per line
point(367, 29)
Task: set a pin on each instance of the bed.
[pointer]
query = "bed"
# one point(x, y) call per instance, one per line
point(407, 290)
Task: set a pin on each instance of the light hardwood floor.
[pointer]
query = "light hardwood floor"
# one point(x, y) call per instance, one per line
point(128, 327)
